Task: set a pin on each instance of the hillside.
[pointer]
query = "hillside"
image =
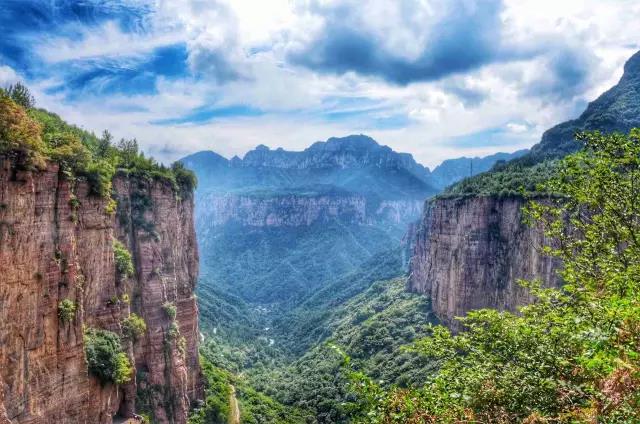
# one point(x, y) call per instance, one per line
point(616, 110)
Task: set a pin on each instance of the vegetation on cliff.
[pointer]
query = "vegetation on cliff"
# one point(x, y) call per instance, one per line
point(574, 354)
point(105, 357)
point(32, 136)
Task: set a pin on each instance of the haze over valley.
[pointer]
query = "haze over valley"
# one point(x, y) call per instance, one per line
point(300, 212)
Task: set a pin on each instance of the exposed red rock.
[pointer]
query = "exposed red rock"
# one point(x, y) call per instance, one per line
point(53, 247)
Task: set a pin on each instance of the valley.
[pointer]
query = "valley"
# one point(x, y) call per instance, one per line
point(308, 255)
point(274, 249)
point(304, 249)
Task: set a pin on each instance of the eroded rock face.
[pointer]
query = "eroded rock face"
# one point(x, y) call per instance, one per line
point(298, 210)
point(56, 243)
point(470, 253)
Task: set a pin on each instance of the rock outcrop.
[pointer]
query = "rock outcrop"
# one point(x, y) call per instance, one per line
point(470, 253)
point(295, 210)
point(56, 243)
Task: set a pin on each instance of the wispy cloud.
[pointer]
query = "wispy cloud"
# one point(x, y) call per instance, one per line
point(436, 79)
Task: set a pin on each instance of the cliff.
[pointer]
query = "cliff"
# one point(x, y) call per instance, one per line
point(469, 254)
point(56, 244)
point(295, 210)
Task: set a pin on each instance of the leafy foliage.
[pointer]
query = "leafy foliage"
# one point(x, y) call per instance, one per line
point(217, 391)
point(124, 262)
point(66, 310)
point(255, 407)
point(20, 94)
point(574, 354)
point(105, 356)
point(37, 135)
point(20, 134)
point(170, 310)
point(374, 327)
point(134, 326)
point(505, 180)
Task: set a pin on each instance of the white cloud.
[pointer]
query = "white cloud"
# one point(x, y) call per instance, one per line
point(8, 76)
point(237, 51)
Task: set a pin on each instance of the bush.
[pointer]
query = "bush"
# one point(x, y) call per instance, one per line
point(67, 150)
point(105, 356)
point(19, 94)
point(124, 263)
point(19, 133)
point(185, 178)
point(66, 310)
point(99, 175)
point(170, 309)
point(133, 326)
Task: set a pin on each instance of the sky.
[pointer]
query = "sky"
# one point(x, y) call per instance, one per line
point(438, 79)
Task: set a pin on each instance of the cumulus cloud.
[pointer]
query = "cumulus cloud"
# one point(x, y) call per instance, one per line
point(434, 78)
point(436, 39)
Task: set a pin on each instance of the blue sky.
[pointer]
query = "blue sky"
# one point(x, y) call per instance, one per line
point(437, 79)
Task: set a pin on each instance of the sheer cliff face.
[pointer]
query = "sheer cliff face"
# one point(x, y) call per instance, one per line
point(56, 242)
point(469, 254)
point(296, 210)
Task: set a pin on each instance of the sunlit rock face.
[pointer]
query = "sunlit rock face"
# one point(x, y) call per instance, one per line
point(470, 253)
point(56, 242)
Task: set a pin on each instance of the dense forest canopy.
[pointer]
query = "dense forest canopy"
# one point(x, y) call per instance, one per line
point(571, 356)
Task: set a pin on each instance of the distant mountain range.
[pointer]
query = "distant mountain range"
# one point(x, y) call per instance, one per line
point(453, 170)
point(355, 163)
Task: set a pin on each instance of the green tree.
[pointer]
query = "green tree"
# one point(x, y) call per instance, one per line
point(20, 94)
point(105, 356)
point(574, 354)
point(20, 133)
point(123, 259)
point(134, 326)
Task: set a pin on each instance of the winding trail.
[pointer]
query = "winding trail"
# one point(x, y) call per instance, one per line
point(234, 414)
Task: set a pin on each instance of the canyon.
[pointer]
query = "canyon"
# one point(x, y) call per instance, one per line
point(57, 244)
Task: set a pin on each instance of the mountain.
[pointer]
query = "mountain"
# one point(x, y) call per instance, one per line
point(472, 245)
point(453, 170)
point(356, 163)
point(618, 109)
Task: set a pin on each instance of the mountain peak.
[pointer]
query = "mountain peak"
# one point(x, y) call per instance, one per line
point(632, 66)
point(617, 109)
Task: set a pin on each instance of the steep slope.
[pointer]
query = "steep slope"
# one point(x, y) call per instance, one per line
point(618, 109)
point(472, 246)
point(470, 253)
point(85, 287)
point(372, 327)
point(277, 225)
point(453, 170)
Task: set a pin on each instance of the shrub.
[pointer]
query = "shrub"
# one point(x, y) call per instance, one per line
point(105, 356)
point(20, 94)
point(20, 133)
point(133, 326)
point(111, 207)
point(185, 178)
point(174, 330)
point(99, 174)
point(67, 149)
point(66, 310)
point(124, 263)
point(170, 309)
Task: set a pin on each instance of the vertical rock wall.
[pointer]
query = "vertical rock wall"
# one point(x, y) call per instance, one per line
point(55, 244)
point(470, 253)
